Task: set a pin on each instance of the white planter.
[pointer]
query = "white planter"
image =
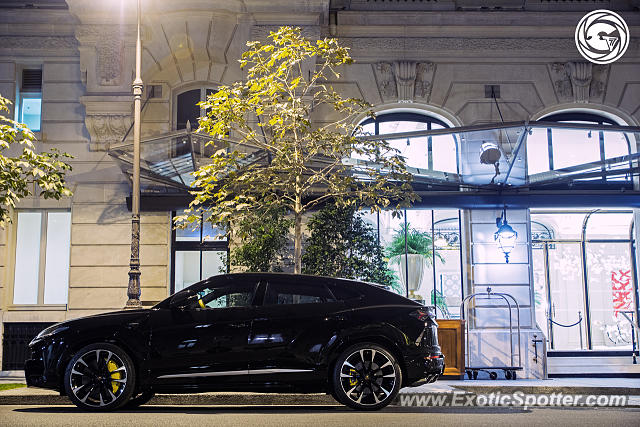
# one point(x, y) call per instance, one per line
point(416, 270)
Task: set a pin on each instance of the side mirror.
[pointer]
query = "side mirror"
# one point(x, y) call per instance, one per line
point(181, 299)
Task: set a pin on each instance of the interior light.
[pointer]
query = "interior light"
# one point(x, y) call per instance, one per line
point(506, 236)
point(489, 153)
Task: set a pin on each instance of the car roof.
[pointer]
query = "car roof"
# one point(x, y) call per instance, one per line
point(374, 291)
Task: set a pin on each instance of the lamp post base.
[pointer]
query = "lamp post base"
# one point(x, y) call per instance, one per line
point(133, 288)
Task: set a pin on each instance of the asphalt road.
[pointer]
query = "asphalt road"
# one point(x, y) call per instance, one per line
point(282, 416)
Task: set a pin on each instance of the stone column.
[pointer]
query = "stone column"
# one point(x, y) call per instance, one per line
point(489, 319)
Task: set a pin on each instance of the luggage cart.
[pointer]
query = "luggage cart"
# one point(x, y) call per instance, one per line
point(509, 371)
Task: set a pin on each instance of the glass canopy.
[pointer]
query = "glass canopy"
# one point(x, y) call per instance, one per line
point(535, 155)
point(498, 156)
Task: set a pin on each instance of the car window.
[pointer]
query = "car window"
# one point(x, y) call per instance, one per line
point(225, 297)
point(280, 293)
point(343, 292)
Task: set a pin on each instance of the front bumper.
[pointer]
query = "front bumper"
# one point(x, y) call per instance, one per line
point(34, 373)
point(42, 369)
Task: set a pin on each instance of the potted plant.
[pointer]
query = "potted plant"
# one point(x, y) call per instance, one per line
point(420, 250)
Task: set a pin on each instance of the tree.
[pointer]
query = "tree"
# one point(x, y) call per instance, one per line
point(342, 244)
point(291, 164)
point(262, 241)
point(27, 170)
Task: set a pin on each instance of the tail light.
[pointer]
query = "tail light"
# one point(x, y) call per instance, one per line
point(429, 335)
point(425, 315)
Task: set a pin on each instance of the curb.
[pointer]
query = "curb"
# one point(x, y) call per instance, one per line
point(289, 399)
point(191, 399)
point(549, 390)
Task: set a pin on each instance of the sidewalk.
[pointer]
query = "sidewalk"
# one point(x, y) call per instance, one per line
point(582, 386)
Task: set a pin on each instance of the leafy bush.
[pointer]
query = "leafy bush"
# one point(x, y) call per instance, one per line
point(262, 240)
point(342, 244)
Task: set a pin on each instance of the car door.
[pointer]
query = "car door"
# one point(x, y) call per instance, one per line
point(291, 329)
point(202, 343)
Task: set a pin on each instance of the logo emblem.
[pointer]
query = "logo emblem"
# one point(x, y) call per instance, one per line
point(602, 36)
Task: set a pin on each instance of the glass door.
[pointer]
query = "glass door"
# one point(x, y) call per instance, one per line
point(584, 278)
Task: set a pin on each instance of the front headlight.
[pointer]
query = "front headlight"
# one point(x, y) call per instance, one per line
point(50, 331)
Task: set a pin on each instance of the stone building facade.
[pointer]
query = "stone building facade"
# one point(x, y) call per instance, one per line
point(435, 58)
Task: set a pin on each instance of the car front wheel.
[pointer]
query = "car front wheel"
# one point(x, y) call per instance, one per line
point(100, 377)
point(366, 377)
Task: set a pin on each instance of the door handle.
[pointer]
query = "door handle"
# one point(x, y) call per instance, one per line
point(338, 317)
point(238, 324)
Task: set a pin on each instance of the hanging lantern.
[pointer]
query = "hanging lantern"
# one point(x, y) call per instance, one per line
point(506, 236)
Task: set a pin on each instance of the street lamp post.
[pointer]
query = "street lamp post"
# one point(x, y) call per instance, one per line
point(133, 288)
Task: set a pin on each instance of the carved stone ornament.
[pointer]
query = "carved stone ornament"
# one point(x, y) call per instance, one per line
point(386, 81)
point(579, 81)
point(102, 55)
point(580, 75)
point(404, 81)
point(38, 42)
point(561, 82)
point(106, 129)
point(405, 72)
point(261, 32)
point(424, 79)
point(110, 59)
point(599, 76)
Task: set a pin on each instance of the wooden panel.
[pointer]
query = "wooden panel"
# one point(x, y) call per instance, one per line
point(451, 340)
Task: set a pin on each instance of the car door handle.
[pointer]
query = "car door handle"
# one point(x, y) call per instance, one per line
point(239, 324)
point(337, 317)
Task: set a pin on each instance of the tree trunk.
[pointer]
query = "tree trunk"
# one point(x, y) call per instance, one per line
point(297, 253)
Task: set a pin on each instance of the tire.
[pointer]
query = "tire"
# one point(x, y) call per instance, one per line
point(100, 377)
point(139, 400)
point(366, 377)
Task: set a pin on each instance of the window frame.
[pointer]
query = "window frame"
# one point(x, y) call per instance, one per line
point(544, 244)
point(213, 286)
point(40, 304)
point(269, 282)
point(203, 96)
point(200, 246)
point(21, 95)
point(592, 118)
point(419, 118)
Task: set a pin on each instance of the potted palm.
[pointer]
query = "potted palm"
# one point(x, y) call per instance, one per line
point(420, 251)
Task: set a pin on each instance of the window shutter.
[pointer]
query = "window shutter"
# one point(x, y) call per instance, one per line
point(31, 80)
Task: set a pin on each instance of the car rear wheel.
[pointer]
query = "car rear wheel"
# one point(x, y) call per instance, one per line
point(366, 377)
point(100, 377)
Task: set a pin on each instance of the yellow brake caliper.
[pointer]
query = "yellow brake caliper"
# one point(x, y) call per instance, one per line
point(111, 366)
point(353, 380)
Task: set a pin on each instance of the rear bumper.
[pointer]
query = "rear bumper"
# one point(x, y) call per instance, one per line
point(433, 367)
point(424, 368)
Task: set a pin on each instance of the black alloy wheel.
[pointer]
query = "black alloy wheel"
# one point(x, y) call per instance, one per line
point(366, 377)
point(100, 377)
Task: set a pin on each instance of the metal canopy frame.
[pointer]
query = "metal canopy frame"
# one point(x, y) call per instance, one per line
point(193, 149)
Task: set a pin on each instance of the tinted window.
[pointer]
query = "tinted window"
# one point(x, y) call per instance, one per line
point(295, 293)
point(343, 292)
point(225, 296)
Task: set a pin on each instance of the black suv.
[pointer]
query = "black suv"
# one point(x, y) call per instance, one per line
point(263, 332)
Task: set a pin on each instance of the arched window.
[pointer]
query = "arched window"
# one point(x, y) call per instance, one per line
point(187, 108)
point(554, 149)
point(437, 153)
